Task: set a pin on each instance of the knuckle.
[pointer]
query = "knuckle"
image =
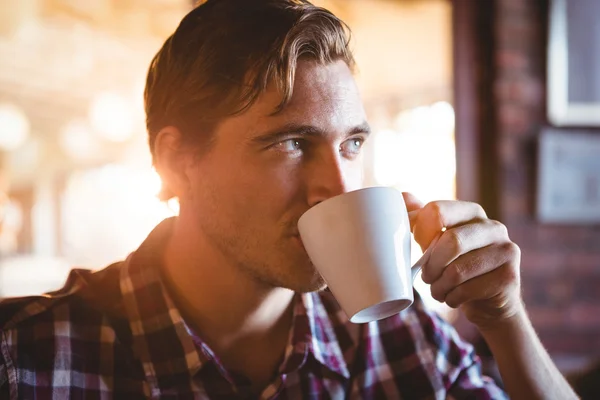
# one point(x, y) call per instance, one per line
point(516, 249)
point(481, 210)
point(454, 274)
point(434, 209)
point(512, 250)
point(454, 241)
point(499, 226)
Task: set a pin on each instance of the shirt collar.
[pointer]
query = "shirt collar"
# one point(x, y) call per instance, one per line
point(312, 334)
point(162, 340)
point(324, 343)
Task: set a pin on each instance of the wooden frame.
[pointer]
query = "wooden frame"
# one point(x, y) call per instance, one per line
point(573, 83)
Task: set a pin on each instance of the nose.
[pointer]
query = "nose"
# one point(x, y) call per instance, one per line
point(329, 176)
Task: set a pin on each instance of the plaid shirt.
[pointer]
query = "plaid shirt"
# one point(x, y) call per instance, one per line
point(117, 334)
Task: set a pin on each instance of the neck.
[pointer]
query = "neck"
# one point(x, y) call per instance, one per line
point(225, 305)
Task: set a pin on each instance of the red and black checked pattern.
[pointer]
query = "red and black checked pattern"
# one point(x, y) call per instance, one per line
point(116, 334)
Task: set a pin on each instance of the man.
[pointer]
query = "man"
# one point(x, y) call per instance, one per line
point(254, 117)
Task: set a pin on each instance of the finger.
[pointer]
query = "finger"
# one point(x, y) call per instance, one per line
point(472, 265)
point(443, 214)
point(413, 205)
point(461, 240)
point(497, 283)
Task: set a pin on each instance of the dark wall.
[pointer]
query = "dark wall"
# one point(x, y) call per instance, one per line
point(501, 107)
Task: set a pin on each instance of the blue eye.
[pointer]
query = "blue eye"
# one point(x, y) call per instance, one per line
point(290, 145)
point(352, 146)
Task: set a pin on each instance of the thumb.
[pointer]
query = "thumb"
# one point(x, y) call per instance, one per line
point(413, 205)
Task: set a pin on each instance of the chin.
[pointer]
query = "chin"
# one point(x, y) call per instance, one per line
point(307, 282)
point(301, 278)
point(311, 287)
point(306, 288)
point(290, 269)
point(306, 277)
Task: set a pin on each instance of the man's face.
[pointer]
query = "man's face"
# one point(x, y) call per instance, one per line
point(264, 171)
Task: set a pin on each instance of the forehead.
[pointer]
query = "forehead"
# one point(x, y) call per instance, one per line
point(331, 84)
point(325, 96)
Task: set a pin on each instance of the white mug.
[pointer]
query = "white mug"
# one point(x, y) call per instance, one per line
point(360, 244)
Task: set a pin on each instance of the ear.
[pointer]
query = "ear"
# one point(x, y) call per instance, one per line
point(171, 162)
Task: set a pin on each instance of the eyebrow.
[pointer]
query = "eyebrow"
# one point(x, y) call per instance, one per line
point(292, 129)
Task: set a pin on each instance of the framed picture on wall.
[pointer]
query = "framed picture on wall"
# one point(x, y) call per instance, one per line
point(568, 185)
point(574, 63)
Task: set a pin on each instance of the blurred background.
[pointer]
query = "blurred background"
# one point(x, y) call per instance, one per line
point(456, 93)
point(73, 147)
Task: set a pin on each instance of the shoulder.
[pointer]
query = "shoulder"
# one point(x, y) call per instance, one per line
point(70, 327)
point(80, 330)
point(86, 299)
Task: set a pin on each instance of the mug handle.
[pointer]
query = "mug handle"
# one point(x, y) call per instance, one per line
point(424, 258)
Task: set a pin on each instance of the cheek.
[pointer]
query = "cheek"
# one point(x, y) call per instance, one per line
point(263, 187)
point(275, 186)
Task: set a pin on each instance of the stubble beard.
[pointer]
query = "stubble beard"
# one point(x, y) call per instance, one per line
point(281, 272)
point(277, 266)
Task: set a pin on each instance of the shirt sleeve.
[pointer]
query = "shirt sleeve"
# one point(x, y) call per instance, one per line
point(4, 382)
point(457, 364)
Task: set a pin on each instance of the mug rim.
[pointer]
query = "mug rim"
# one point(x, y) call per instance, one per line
point(350, 193)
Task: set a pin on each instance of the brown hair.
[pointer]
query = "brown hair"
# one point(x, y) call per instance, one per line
point(224, 54)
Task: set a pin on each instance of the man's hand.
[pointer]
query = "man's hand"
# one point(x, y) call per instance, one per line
point(473, 265)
